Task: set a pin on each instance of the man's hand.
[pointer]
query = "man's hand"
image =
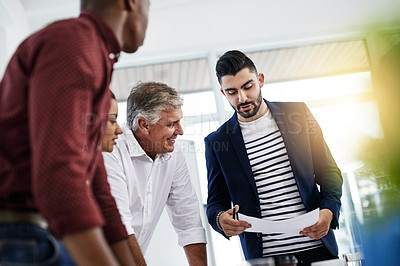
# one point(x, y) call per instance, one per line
point(230, 226)
point(321, 228)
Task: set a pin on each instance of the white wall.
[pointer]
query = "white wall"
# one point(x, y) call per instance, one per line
point(14, 27)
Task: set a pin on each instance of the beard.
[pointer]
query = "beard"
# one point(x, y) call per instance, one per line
point(250, 113)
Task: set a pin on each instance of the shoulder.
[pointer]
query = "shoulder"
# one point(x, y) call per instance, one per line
point(125, 144)
point(288, 108)
point(220, 134)
point(177, 156)
point(289, 105)
point(66, 30)
point(66, 40)
point(71, 30)
point(120, 150)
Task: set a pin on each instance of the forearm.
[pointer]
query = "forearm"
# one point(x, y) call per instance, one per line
point(89, 248)
point(136, 251)
point(196, 254)
point(212, 214)
point(122, 253)
point(333, 204)
point(218, 194)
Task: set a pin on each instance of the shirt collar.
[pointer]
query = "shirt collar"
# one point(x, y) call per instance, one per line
point(135, 150)
point(107, 34)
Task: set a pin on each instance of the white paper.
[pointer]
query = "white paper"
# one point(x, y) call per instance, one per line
point(293, 225)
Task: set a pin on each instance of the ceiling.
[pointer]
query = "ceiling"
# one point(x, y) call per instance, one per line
point(294, 63)
point(181, 27)
point(288, 39)
point(40, 12)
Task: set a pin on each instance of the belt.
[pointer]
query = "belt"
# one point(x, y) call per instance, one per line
point(8, 216)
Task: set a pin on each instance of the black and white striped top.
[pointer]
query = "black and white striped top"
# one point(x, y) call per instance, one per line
point(276, 186)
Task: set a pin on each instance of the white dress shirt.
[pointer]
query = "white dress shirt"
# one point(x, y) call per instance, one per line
point(142, 187)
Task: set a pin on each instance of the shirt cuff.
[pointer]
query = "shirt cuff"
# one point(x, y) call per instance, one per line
point(115, 233)
point(128, 227)
point(192, 236)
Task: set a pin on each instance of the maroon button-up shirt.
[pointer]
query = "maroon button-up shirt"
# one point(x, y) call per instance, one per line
point(53, 99)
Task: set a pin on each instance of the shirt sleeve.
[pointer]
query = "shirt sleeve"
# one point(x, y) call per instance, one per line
point(114, 230)
point(218, 194)
point(117, 179)
point(183, 206)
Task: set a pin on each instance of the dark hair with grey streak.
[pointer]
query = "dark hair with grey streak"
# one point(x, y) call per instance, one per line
point(149, 100)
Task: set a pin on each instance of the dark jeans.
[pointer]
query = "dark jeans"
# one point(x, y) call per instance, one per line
point(317, 254)
point(27, 244)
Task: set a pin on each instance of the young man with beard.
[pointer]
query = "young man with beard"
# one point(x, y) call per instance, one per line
point(267, 160)
point(147, 173)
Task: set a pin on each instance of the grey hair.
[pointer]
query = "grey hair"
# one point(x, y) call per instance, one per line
point(149, 100)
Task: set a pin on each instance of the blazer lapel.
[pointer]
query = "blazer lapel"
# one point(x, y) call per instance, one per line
point(236, 137)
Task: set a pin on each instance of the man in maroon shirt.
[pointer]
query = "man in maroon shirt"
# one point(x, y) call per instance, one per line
point(54, 98)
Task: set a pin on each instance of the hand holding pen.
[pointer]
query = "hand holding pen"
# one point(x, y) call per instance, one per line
point(235, 215)
point(230, 223)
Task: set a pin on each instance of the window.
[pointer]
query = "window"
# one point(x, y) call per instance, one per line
point(345, 109)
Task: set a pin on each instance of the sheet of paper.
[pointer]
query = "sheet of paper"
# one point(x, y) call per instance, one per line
point(293, 225)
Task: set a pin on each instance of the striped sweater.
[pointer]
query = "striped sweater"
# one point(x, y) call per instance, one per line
point(276, 185)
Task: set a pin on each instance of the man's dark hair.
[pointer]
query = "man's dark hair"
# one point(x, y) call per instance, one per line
point(232, 62)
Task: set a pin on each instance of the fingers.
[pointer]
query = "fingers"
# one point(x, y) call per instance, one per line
point(321, 228)
point(230, 226)
point(316, 231)
point(234, 230)
point(316, 235)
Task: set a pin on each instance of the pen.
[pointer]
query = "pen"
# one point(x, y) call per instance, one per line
point(234, 215)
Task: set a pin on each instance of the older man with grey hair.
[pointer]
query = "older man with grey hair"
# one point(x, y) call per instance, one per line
point(146, 173)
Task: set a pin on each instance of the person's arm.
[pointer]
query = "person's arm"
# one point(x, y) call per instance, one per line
point(326, 172)
point(136, 251)
point(196, 254)
point(119, 189)
point(230, 226)
point(184, 210)
point(89, 248)
point(218, 199)
point(122, 252)
point(114, 230)
point(321, 228)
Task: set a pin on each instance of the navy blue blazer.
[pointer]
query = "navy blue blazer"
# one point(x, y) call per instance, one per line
point(230, 178)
